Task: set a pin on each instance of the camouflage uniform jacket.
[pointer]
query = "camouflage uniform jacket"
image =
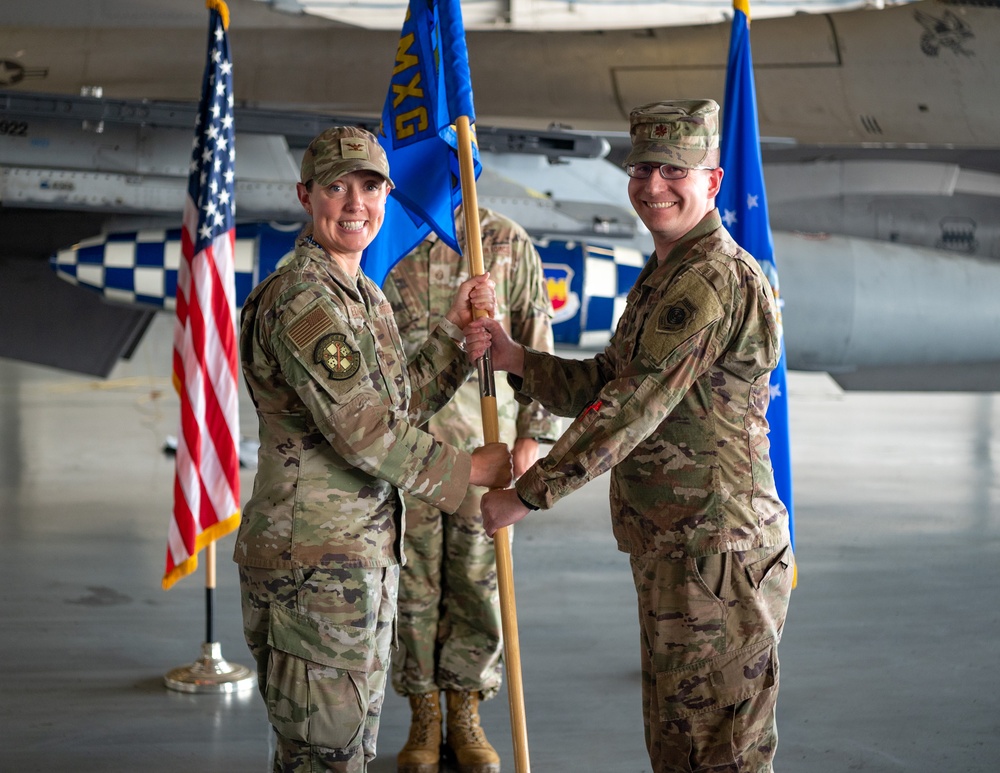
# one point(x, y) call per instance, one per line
point(424, 283)
point(338, 412)
point(674, 406)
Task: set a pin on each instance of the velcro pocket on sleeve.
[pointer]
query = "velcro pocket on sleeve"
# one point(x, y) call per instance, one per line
point(341, 646)
point(717, 682)
point(326, 347)
point(689, 306)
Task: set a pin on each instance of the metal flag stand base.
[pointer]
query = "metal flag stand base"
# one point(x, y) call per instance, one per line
point(210, 673)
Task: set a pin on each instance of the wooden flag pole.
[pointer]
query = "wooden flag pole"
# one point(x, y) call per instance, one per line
point(491, 434)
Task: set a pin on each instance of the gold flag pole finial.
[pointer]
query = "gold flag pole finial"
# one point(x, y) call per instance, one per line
point(222, 8)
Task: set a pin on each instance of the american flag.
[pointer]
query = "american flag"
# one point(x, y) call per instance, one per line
point(205, 369)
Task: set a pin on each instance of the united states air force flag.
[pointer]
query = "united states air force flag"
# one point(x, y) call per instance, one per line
point(206, 481)
point(743, 205)
point(430, 88)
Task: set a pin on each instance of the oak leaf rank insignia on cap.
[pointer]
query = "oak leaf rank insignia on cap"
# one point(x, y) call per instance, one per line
point(679, 132)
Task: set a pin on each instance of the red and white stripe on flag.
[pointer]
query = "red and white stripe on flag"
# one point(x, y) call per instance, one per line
point(205, 369)
point(206, 481)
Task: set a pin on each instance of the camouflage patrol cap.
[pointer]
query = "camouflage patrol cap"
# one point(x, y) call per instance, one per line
point(680, 132)
point(340, 150)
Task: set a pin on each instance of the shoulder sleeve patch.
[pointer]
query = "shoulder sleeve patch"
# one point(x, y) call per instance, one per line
point(322, 347)
point(689, 306)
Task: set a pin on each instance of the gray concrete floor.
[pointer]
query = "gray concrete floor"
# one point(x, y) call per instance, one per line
point(890, 661)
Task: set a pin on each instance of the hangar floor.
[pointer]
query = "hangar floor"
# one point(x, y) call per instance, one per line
point(889, 661)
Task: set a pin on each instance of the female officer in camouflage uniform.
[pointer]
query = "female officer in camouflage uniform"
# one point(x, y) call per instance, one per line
point(321, 537)
point(675, 408)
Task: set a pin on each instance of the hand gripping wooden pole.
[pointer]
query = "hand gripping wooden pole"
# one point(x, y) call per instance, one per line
point(491, 434)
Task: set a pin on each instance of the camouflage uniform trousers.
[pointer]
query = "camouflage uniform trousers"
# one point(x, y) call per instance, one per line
point(450, 635)
point(709, 629)
point(321, 638)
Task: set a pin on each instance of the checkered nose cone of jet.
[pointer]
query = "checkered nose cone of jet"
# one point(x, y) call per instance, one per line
point(587, 283)
point(141, 267)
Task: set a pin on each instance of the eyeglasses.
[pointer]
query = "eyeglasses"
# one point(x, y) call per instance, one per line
point(642, 171)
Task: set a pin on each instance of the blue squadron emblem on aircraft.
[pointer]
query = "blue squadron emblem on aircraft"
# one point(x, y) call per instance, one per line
point(947, 32)
point(558, 282)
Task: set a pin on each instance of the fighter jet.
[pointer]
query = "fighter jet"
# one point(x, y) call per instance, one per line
point(880, 142)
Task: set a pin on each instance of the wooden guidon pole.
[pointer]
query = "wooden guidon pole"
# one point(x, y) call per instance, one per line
point(491, 434)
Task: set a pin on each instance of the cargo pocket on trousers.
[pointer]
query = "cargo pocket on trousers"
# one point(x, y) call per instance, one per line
point(724, 689)
point(717, 682)
point(317, 682)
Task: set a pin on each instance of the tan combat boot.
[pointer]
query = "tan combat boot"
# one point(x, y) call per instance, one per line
point(466, 743)
point(422, 752)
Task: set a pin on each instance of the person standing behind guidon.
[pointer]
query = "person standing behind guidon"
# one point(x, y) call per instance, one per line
point(320, 540)
point(450, 636)
point(675, 408)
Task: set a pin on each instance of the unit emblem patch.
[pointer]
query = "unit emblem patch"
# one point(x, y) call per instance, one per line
point(676, 317)
point(340, 360)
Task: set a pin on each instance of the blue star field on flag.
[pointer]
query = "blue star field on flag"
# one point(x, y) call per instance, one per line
point(212, 173)
point(742, 202)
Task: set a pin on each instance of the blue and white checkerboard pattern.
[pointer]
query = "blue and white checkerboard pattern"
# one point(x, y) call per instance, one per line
point(141, 267)
point(608, 269)
point(600, 275)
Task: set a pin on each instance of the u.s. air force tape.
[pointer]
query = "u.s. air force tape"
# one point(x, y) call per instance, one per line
point(333, 353)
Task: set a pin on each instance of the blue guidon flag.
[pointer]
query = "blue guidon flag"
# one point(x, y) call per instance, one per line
point(743, 205)
point(430, 88)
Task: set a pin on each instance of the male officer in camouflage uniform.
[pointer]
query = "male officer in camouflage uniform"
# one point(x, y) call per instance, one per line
point(449, 610)
point(675, 408)
point(321, 537)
